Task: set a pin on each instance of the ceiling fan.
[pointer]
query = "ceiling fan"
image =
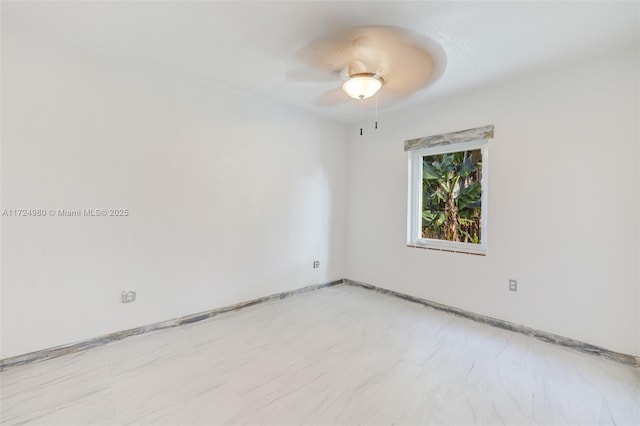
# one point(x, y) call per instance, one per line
point(371, 60)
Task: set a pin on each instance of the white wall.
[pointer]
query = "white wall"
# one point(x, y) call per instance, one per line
point(231, 197)
point(563, 203)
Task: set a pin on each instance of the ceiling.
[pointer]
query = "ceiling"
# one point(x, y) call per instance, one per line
point(252, 46)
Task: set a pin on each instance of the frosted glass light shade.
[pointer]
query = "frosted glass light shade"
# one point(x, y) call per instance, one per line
point(361, 87)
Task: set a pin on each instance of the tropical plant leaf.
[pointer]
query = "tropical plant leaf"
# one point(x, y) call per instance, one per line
point(468, 167)
point(465, 221)
point(428, 215)
point(429, 172)
point(469, 196)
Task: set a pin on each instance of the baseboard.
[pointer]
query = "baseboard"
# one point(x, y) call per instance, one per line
point(537, 334)
point(58, 351)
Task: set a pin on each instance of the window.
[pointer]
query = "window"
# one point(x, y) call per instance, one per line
point(448, 191)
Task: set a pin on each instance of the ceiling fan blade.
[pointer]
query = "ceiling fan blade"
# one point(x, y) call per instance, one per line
point(330, 55)
point(404, 61)
point(358, 67)
point(413, 69)
point(311, 75)
point(332, 98)
point(374, 47)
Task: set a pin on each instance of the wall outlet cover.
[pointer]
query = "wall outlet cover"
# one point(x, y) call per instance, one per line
point(128, 296)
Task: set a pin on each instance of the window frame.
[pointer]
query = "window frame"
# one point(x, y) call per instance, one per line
point(414, 205)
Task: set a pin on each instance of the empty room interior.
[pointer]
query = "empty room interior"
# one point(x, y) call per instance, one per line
point(315, 212)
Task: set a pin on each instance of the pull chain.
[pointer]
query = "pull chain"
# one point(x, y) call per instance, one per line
point(376, 111)
point(361, 114)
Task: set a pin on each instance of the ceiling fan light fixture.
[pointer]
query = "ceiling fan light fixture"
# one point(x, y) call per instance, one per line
point(362, 86)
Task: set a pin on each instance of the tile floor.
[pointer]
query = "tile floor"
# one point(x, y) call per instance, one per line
point(336, 356)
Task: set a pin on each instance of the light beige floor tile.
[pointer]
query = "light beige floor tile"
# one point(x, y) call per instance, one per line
point(71, 390)
point(336, 356)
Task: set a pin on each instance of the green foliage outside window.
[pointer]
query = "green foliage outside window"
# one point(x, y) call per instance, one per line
point(451, 196)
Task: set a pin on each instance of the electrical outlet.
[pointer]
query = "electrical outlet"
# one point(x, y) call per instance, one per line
point(513, 285)
point(128, 296)
point(316, 264)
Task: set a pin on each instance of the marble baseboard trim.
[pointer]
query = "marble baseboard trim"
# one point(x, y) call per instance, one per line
point(537, 334)
point(58, 351)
